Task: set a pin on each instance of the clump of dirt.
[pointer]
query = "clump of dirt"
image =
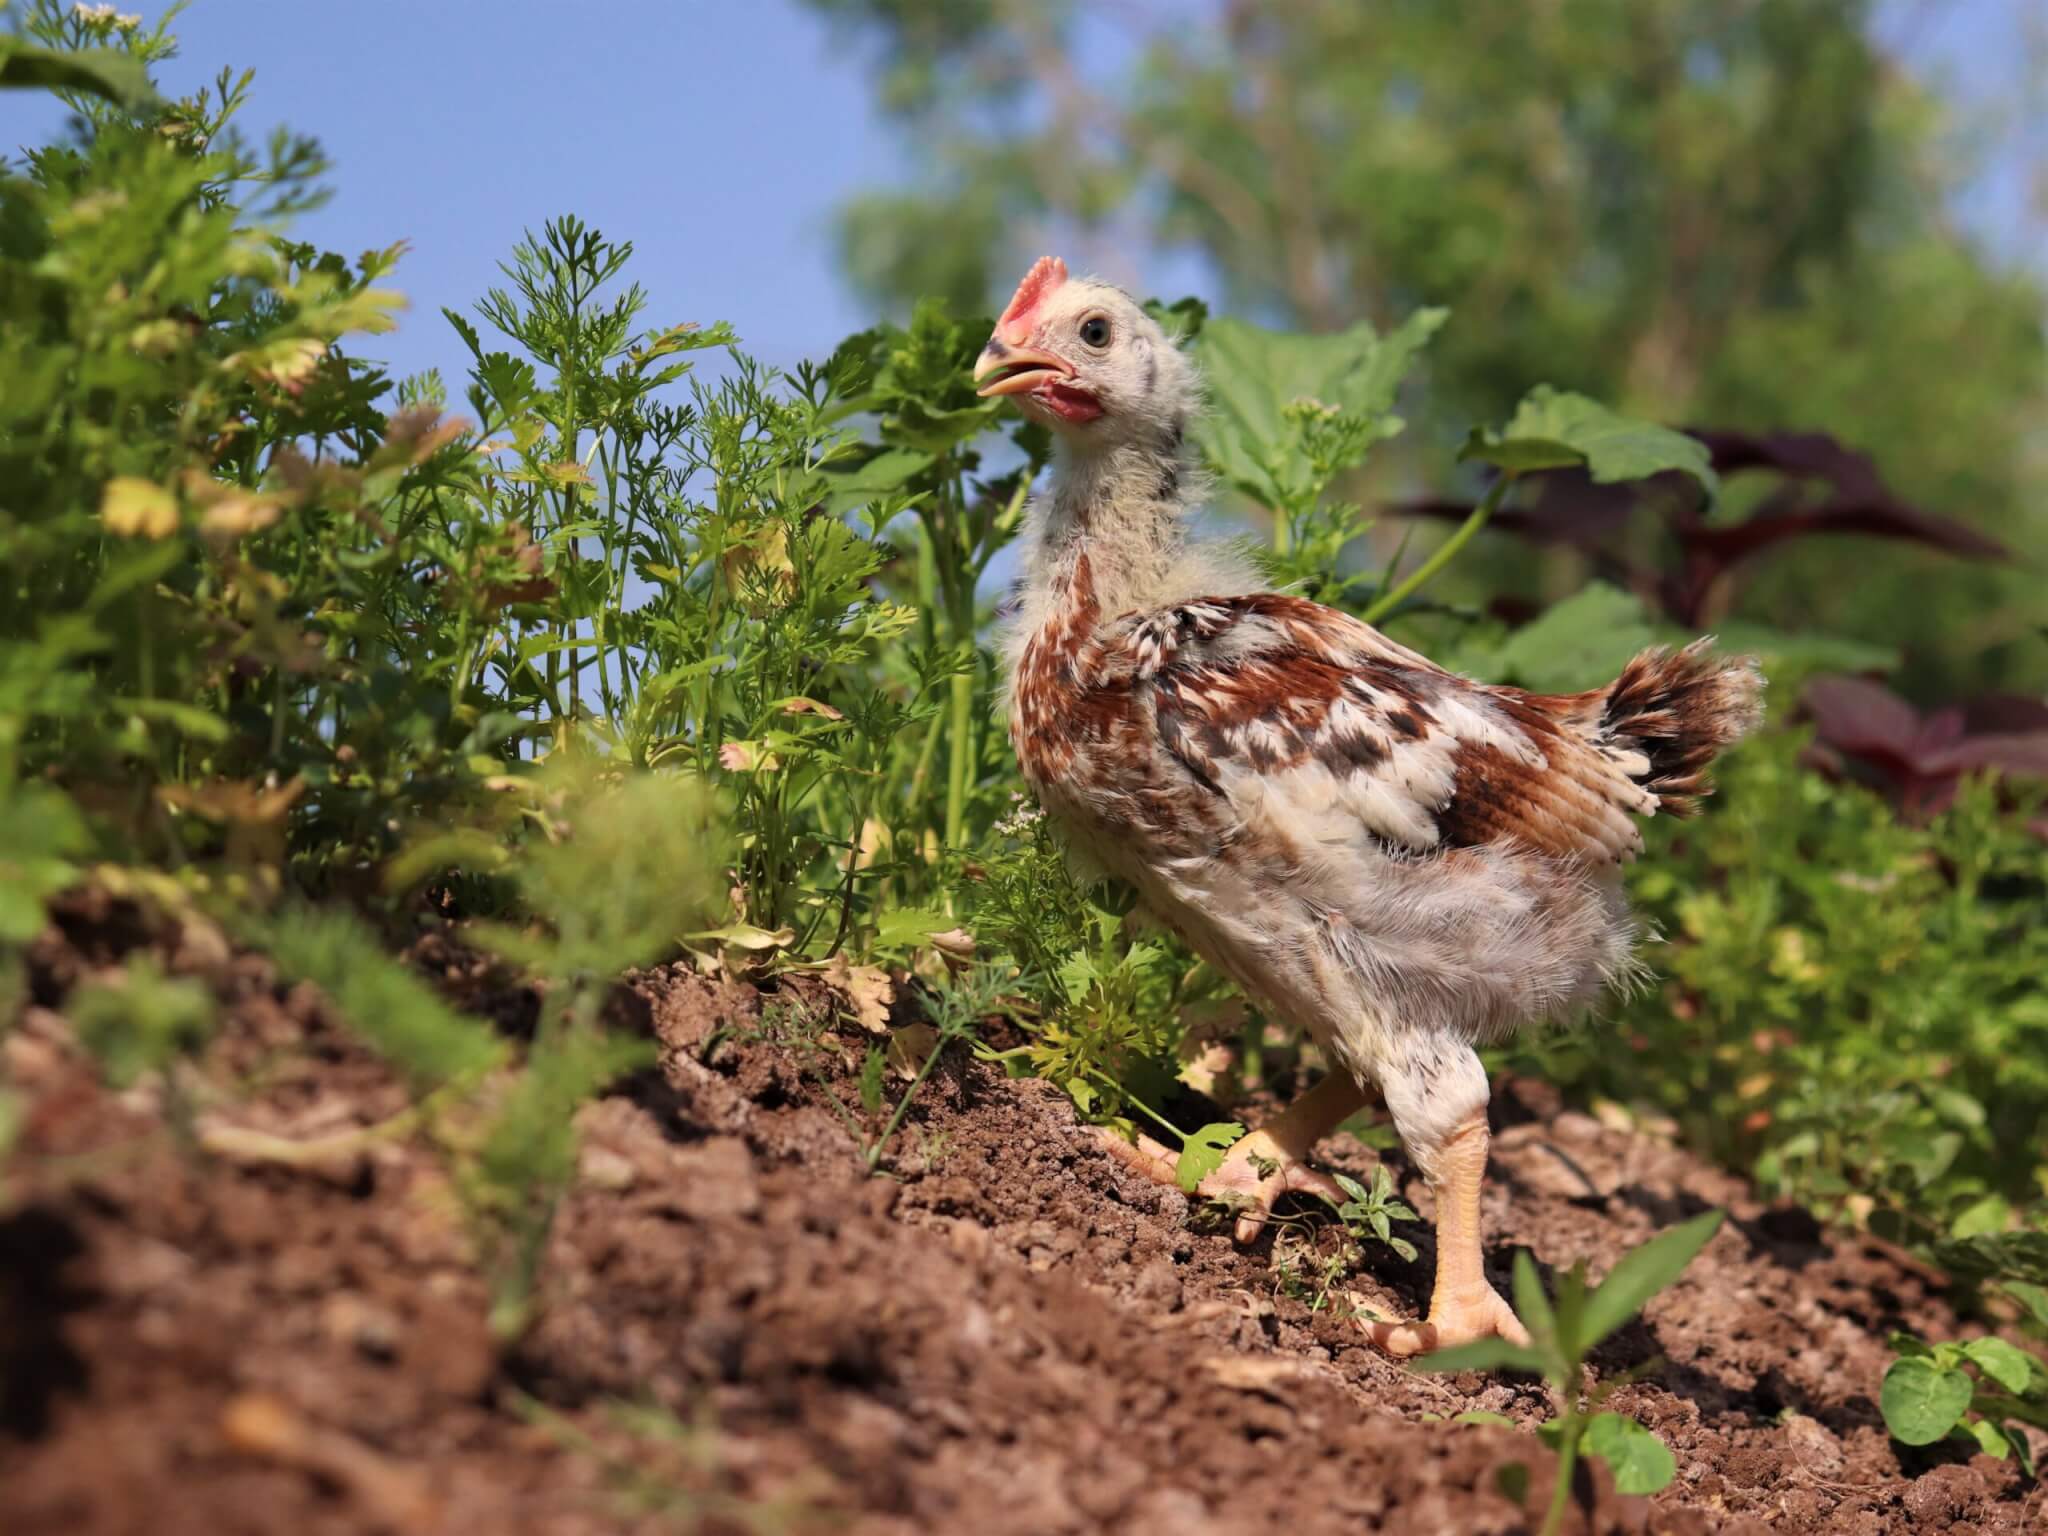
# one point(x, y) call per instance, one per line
point(746, 1333)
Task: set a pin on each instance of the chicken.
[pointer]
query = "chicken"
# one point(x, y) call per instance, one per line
point(1400, 862)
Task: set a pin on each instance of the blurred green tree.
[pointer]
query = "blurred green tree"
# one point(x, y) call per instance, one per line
point(1728, 212)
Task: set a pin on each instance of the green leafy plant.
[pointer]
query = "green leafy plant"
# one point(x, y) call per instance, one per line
point(142, 1022)
point(1374, 1211)
point(1980, 1392)
point(1562, 1333)
point(676, 1475)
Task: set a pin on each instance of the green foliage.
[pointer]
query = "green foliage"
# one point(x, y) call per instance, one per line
point(1853, 1010)
point(1563, 1332)
point(674, 1474)
point(400, 1016)
point(1202, 1153)
point(512, 1177)
point(1555, 429)
point(1254, 439)
point(1375, 1210)
point(1586, 639)
point(41, 834)
point(1980, 1393)
point(141, 1022)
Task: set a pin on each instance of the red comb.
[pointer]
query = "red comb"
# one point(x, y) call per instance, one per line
point(1046, 274)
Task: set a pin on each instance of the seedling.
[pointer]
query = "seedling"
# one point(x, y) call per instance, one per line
point(1375, 1211)
point(1978, 1393)
point(1562, 1334)
point(675, 1474)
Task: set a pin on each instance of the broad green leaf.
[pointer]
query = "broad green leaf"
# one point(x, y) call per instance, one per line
point(1482, 1416)
point(1921, 1402)
point(1989, 1214)
point(1987, 1436)
point(2033, 1297)
point(1531, 1305)
point(910, 927)
point(2011, 1368)
point(1202, 1153)
point(1804, 652)
point(2005, 1256)
point(1254, 374)
point(1483, 1355)
point(113, 73)
point(1578, 643)
point(1641, 1463)
point(1642, 1273)
point(1513, 1482)
point(1556, 429)
point(2022, 1448)
point(886, 474)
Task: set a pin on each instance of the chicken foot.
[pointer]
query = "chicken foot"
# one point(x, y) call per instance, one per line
point(1264, 1165)
point(1463, 1306)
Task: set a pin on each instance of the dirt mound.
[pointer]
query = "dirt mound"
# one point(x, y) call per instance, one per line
point(746, 1334)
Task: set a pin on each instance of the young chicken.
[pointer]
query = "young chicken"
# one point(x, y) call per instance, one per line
point(1401, 862)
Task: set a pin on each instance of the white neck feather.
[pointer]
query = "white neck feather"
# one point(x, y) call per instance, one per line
point(1126, 507)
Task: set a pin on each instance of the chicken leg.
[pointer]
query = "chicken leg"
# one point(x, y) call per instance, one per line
point(1463, 1306)
point(1270, 1162)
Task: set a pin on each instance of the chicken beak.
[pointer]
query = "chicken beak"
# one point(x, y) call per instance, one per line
point(1019, 369)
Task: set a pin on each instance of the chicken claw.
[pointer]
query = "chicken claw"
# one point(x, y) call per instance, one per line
point(1453, 1319)
point(1263, 1166)
point(1253, 1177)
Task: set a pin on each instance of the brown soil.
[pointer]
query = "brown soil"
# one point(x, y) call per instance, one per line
point(1008, 1333)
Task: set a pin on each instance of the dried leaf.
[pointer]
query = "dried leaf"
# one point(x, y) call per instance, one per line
point(956, 942)
point(137, 508)
point(1268, 1375)
point(867, 988)
point(910, 1048)
point(803, 706)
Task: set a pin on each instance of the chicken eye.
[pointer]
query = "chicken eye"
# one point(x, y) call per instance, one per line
point(1095, 331)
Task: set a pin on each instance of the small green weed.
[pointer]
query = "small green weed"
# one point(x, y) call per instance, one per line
point(1374, 1211)
point(1562, 1334)
point(672, 1471)
point(1979, 1393)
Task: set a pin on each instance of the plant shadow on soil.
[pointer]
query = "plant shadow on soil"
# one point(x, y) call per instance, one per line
point(1009, 1333)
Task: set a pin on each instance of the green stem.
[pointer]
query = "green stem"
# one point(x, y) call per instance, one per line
point(874, 1153)
point(1387, 602)
point(959, 749)
point(1567, 1464)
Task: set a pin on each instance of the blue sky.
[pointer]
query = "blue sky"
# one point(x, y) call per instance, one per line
point(717, 135)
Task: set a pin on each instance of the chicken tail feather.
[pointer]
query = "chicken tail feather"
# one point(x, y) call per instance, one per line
point(1681, 709)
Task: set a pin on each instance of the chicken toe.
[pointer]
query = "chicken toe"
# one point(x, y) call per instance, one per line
point(1454, 1318)
point(1254, 1176)
point(1262, 1167)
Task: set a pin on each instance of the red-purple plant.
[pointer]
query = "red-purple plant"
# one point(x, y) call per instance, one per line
point(1863, 730)
point(1824, 488)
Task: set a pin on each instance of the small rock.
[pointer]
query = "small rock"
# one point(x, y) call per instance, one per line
point(1158, 1283)
point(1813, 1444)
point(450, 1345)
point(1172, 1512)
point(359, 1323)
point(968, 1239)
point(602, 1168)
point(1937, 1497)
point(715, 1179)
